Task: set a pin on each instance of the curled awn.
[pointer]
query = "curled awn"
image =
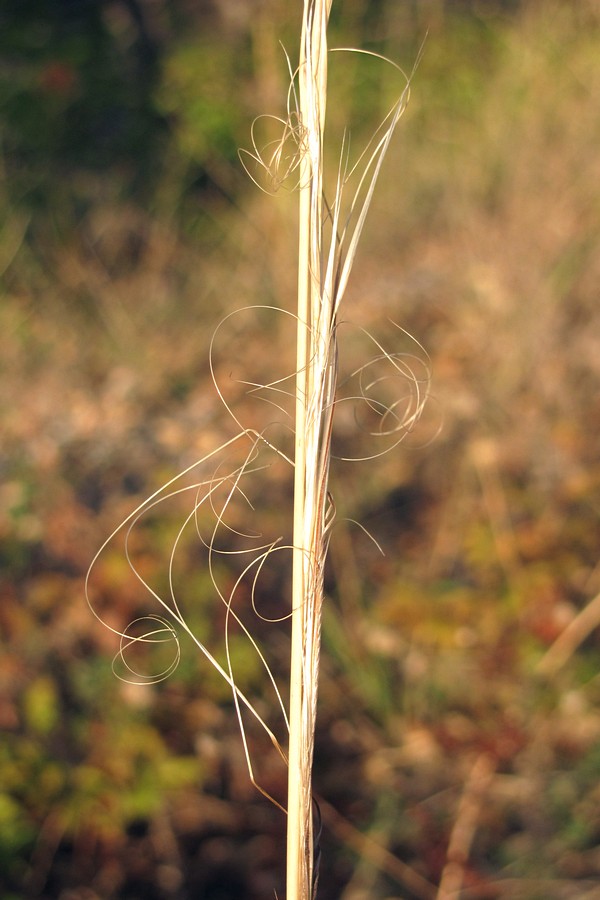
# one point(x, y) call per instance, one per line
point(387, 393)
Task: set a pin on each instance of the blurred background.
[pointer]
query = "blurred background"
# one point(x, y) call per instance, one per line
point(458, 744)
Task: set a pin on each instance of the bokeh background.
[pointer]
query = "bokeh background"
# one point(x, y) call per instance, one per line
point(458, 747)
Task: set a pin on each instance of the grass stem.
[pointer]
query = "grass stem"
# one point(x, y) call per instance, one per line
point(310, 480)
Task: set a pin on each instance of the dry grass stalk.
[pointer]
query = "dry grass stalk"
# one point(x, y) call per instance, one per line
point(377, 855)
point(329, 232)
point(315, 384)
point(323, 272)
point(465, 826)
point(565, 645)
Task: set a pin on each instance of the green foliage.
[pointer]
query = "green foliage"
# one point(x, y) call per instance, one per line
point(199, 93)
point(70, 95)
point(40, 704)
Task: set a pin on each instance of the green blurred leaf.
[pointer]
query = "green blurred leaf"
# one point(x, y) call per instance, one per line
point(41, 705)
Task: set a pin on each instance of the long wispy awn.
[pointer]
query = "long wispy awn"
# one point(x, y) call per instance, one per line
point(392, 389)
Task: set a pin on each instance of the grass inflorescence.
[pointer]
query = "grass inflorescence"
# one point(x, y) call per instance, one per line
point(390, 389)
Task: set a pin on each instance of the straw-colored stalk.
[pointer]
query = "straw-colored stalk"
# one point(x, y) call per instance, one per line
point(315, 386)
point(327, 246)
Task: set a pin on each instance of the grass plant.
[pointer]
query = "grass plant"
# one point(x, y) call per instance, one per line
point(329, 231)
point(323, 271)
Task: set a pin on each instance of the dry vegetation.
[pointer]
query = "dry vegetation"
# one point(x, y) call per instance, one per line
point(459, 718)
